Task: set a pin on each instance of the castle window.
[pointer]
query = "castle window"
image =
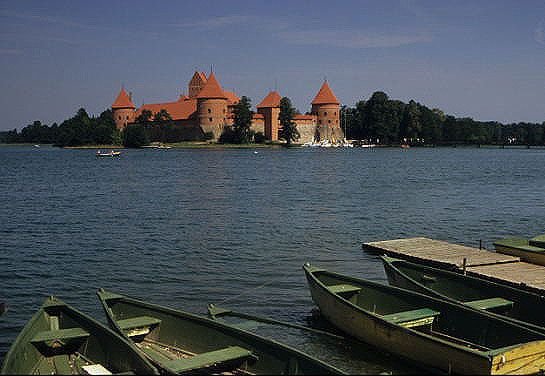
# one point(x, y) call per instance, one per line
point(127, 117)
point(329, 121)
point(335, 114)
point(224, 110)
point(325, 113)
point(210, 119)
point(119, 117)
point(319, 122)
point(209, 110)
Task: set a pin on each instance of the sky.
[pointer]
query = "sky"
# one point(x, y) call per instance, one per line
point(481, 59)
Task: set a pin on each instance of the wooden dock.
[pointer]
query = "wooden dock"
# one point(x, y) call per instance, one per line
point(478, 262)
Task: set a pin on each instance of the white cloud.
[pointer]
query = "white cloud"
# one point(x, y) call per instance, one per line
point(215, 22)
point(539, 34)
point(352, 39)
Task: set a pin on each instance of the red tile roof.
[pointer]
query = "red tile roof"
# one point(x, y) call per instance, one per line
point(232, 98)
point(325, 96)
point(123, 100)
point(212, 89)
point(180, 110)
point(271, 100)
point(258, 116)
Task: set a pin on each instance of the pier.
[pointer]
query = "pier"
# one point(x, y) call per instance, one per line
point(473, 261)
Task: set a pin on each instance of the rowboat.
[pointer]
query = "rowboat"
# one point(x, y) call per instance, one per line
point(529, 250)
point(430, 331)
point(108, 154)
point(61, 340)
point(178, 342)
point(525, 308)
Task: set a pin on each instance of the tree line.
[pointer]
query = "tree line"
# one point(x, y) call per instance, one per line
point(379, 120)
point(386, 121)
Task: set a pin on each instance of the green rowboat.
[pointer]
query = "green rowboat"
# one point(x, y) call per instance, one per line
point(430, 331)
point(531, 250)
point(523, 307)
point(180, 343)
point(61, 340)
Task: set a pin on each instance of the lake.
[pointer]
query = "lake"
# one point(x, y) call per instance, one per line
point(188, 227)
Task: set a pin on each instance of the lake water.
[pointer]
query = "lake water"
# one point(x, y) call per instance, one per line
point(185, 228)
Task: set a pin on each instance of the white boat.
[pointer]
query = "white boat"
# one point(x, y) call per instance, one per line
point(110, 153)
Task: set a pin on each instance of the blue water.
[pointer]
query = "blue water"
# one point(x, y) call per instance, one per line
point(185, 228)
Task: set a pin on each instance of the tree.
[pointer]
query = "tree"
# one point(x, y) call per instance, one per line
point(135, 136)
point(289, 130)
point(243, 120)
point(410, 127)
point(144, 117)
point(162, 116)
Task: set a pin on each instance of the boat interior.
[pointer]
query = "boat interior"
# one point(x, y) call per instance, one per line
point(58, 344)
point(429, 316)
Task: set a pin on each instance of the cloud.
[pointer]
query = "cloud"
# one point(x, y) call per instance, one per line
point(10, 51)
point(215, 22)
point(539, 34)
point(351, 39)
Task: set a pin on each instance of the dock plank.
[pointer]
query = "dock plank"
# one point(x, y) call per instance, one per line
point(438, 252)
point(480, 263)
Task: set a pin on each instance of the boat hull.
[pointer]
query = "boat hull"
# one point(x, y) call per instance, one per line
point(528, 309)
point(528, 251)
point(417, 346)
point(200, 335)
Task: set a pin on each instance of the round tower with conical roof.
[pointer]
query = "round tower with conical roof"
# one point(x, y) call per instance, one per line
point(123, 110)
point(326, 108)
point(212, 107)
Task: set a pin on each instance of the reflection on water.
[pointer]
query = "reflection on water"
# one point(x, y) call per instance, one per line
point(185, 228)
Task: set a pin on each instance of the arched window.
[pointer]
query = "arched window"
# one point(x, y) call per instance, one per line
point(209, 110)
point(325, 113)
point(119, 117)
point(319, 122)
point(210, 119)
point(329, 121)
point(127, 117)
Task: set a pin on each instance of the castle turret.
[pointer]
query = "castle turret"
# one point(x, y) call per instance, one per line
point(212, 107)
point(196, 84)
point(123, 110)
point(270, 109)
point(326, 107)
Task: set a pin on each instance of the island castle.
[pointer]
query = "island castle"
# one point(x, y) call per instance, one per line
point(207, 109)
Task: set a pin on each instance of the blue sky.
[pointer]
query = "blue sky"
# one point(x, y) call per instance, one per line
point(483, 59)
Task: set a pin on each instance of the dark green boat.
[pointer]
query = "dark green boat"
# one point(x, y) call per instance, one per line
point(529, 250)
point(525, 308)
point(430, 331)
point(181, 343)
point(61, 340)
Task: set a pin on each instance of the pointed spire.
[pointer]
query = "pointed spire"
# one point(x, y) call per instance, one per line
point(123, 100)
point(271, 100)
point(325, 95)
point(212, 89)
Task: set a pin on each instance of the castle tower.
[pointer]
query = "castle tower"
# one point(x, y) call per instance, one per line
point(123, 110)
point(212, 107)
point(196, 84)
point(326, 107)
point(270, 109)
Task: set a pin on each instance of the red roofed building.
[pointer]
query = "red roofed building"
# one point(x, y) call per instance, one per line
point(207, 109)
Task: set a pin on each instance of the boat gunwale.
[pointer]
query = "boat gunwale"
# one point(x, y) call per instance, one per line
point(215, 324)
point(391, 261)
point(62, 306)
point(485, 354)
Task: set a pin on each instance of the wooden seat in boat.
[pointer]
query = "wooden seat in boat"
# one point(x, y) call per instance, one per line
point(412, 318)
point(62, 335)
point(233, 355)
point(344, 288)
point(490, 303)
point(138, 322)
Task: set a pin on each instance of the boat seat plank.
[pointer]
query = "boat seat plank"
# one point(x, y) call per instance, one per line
point(96, 369)
point(343, 288)
point(209, 359)
point(62, 365)
point(138, 322)
point(412, 318)
point(61, 334)
point(490, 303)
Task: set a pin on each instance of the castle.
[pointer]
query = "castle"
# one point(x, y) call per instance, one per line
point(207, 109)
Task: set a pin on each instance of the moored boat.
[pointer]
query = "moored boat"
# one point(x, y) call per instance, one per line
point(526, 308)
point(529, 250)
point(61, 340)
point(2, 308)
point(430, 331)
point(179, 342)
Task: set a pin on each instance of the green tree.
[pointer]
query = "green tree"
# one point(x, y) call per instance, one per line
point(410, 127)
point(162, 116)
point(144, 117)
point(289, 130)
point(243, 120)
point(135, 136)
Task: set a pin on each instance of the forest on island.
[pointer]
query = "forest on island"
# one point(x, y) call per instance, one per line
point(378, 120)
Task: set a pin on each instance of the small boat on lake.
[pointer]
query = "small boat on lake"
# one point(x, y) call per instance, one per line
point(2, 308)
point(430, 331)
point(179, 343)
point(110, 153)
point(526, 308)
point(61, 340)
point(529, 250)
